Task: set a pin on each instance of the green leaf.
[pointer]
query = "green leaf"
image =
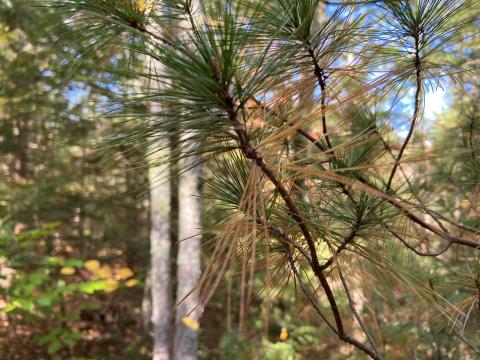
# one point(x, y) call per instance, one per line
point(90, 287)
point(73, 263)
point(54, 346)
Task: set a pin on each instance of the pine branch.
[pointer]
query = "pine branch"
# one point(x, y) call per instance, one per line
point(418, 91)
point(413, 249)
point(339, 331)
point(401, 206)
point(357, 316)
point(281, 234)
point(252, 154)
point(321, 78)
point(346, 241)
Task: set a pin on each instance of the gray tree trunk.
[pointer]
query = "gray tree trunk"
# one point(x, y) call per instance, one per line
point(189, 250)
point(188, 264)
point(160, 245)
point(160, 241)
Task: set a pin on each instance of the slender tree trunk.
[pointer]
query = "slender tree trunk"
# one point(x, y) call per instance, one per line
point(188, 263)
point(160, 237)
point(189, 249)
point(160, 247)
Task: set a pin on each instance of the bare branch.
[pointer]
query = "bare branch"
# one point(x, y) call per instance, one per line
point(357, 316)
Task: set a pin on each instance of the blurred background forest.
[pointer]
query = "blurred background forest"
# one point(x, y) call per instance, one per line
point(75, 216)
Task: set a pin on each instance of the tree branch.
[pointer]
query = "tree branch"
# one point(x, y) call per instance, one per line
point(357, 316)
point(347, 240)
point(418, 252)
point(416, 112)
point(340, 333)
point(321, 78)
point(252, 154)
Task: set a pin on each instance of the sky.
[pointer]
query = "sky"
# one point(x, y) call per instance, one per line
point(435, 103)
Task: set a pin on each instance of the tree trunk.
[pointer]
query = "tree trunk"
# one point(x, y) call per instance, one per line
point(160, 245)
point(189, 249)
point(188, 263)
point(160, 238)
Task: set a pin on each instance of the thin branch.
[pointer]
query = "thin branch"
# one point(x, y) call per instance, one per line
point(321, 78)
point(432, 213)
point(466, 342)
point(401, 206)
point(302, 132)
point(340, 334)
point(418, 79)
point(307, 293)
point(410, 186)
point(357, 316)
point(412, 248)
point(454, 223)
point(346, 241)
point(362, 182)
point(285, 238)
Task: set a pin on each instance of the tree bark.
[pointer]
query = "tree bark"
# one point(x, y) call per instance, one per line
point(189, 235)
point(160, 236)
point(188, 263)
point(160, 248)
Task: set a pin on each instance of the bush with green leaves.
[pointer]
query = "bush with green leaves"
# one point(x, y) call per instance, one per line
point(44, 295)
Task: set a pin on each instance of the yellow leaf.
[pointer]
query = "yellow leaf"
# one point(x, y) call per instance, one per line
point(143, 5)
point(131, 283)
point(190, 323)
point(105, 272)
point(111, 285)
point(124, 273)
point(464, 204)
point(67, 270)
point(92, 265)
point(143, 350)
point(283, 335)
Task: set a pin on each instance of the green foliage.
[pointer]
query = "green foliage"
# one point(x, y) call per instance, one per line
point(233, 348)
point(240, 83)
point(280, 351)
point(40, 288)
point(53, 177)
point(344, 225)
point(34, 290)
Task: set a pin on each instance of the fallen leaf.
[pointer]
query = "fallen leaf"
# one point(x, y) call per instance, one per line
point(92, 265)
point(190, 323)
point(67, 270)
